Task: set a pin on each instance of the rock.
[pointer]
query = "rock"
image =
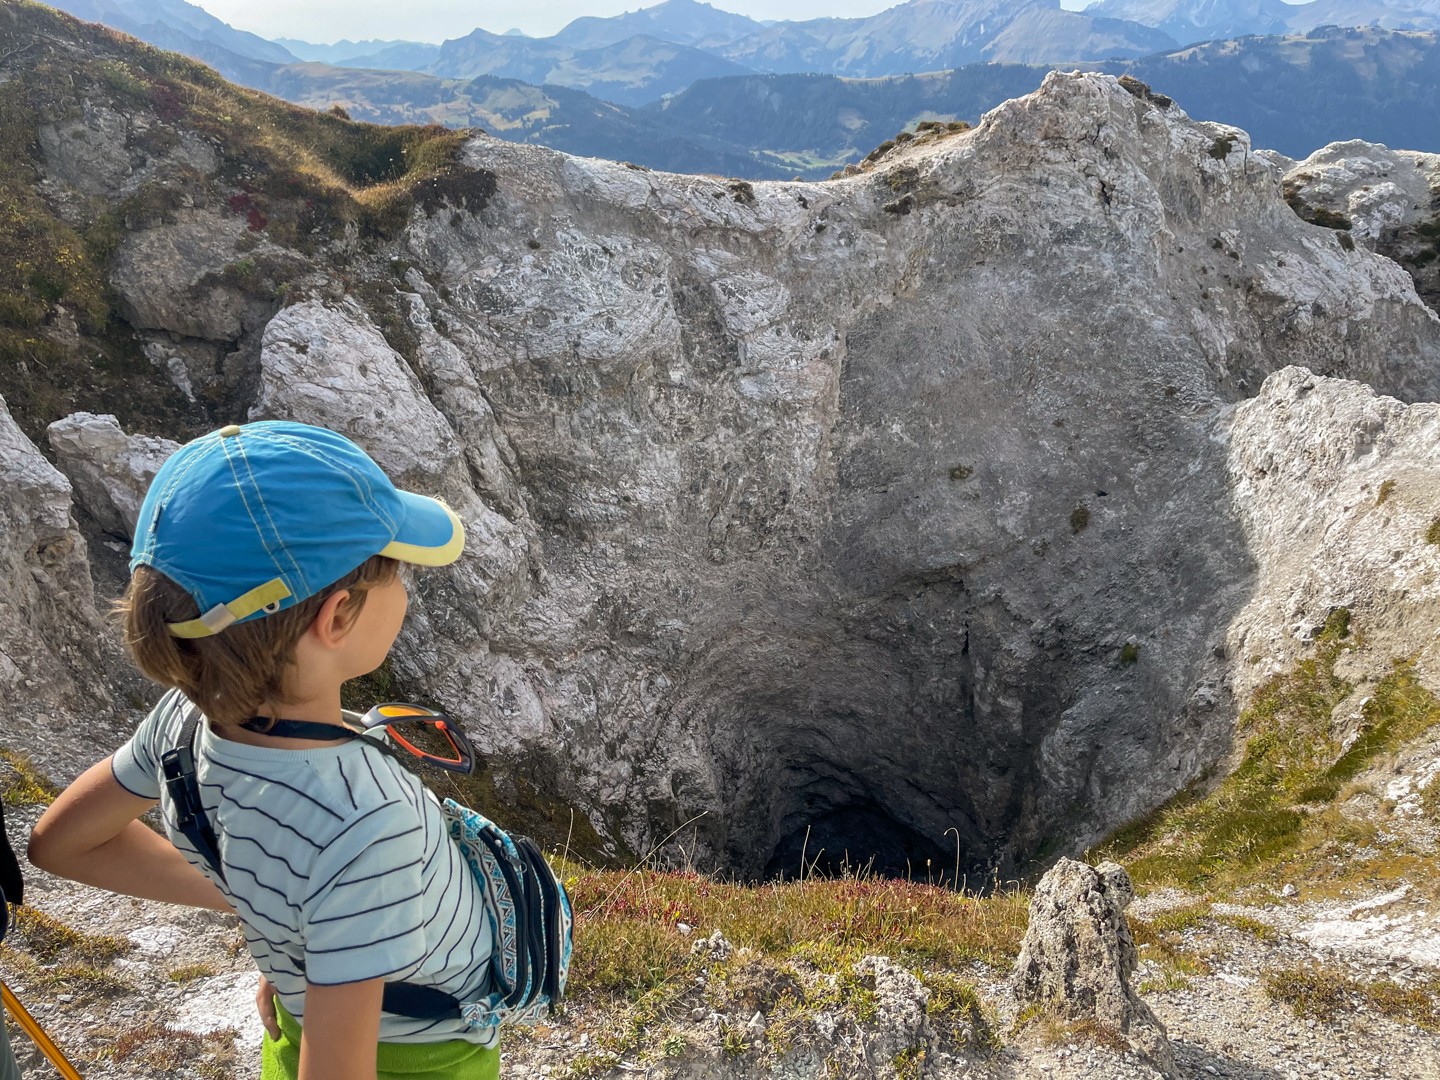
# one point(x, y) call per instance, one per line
point(1289, 891)
point(53, 643)
point(825, 518)
point(1376, 188)
point(111, 471)
point(331, 366)
point(901, 1022)
point(1078, 955)
point(715, 949)
point(173, 277)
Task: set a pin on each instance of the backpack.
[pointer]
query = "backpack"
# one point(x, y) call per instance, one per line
point(526, 906)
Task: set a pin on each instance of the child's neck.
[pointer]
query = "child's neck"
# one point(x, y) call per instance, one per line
point(322, 709)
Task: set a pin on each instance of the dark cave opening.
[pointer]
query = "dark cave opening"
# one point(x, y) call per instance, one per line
point(862, 838)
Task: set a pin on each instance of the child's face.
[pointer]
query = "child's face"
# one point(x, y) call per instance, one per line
point(376, 626)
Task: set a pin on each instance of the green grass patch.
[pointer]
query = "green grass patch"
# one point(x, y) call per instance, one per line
point(23, 784)
point(1327, 994)
point(190, 972)
point(627, 941)
point(47, 939)
point(1279, 805)
point(1160, 939)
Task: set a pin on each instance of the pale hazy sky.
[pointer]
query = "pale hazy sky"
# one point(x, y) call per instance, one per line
point(436, 20)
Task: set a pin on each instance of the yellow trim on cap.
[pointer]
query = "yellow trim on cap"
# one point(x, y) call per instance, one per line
point(223, 615)
point(430, 556)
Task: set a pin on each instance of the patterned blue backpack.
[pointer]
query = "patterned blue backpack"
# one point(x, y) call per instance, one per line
point(529, 915)
point(526, 906)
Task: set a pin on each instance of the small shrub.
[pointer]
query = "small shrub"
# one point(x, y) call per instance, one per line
point(24, 784)
point(742, 192)
point(1387, 488)
point(961, 472)
point(1329, 219)
point(1129, 653)
point(1079, 519)
point(881, 150)
point(1221, 147)
point(190, 972)
point(48, 938)
point(1432, 534)
point(1136, 88)
point(1321, 993)
point(1346, 240)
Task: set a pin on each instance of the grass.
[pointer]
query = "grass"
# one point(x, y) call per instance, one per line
point(162, 1051)
point(190, 972)
point(299, 178)
point(1280, 810)
point(1161, 939)
point(42, 952)
point(1327, 994)
point(627, 941)
point(86, 980)
point(24, 784)
point(796, 948)
point(47, 939)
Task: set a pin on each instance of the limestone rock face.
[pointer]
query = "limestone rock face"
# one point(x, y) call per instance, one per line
point(51, 651)
point(908, 515)
point(333, 367)
point(1336, 488)
point(1390, 200)
point(892, 505)
point(169, 278)
point(110, 471)
point(1377, 188)
point(1078, 955)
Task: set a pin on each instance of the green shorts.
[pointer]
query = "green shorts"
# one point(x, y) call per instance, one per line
point(454, 1059)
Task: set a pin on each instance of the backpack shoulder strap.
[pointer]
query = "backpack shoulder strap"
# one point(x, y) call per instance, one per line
point(178, 765)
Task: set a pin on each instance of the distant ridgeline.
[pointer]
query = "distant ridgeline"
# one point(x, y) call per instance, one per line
point(635, 97)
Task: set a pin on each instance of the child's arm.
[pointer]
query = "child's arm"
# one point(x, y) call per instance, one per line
point(90, 834)
point(342, 1029)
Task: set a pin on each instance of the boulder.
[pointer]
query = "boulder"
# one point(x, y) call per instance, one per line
point(1078, 955)
point(110, 470)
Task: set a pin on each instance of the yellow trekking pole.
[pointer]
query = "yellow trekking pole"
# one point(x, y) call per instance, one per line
point(37, 1034)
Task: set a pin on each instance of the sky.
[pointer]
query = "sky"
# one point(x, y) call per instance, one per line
point(436, 20)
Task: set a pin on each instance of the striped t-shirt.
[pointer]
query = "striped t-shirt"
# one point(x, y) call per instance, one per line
point(337, 861)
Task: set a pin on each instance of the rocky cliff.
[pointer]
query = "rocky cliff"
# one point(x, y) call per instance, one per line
point(922, 509)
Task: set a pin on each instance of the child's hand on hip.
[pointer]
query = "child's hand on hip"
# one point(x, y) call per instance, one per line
point(265, 1005)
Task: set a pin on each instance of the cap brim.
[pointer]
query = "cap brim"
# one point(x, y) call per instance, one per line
point(430, 535)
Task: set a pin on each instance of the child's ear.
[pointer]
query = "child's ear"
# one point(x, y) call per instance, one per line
point(333, 621)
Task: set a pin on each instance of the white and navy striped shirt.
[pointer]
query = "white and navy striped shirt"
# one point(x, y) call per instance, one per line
point(337, 861)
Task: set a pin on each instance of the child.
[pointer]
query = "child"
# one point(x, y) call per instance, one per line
point(264, 575)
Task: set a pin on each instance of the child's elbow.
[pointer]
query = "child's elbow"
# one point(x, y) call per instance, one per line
point(43, 850)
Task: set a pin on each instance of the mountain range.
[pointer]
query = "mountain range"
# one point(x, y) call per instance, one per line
point(677, 96)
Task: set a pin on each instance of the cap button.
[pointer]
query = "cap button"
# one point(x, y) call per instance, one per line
point(230, 429)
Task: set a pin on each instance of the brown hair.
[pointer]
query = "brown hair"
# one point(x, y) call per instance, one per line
point(229, 675)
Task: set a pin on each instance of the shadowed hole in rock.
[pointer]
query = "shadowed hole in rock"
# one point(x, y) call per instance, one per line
point(862, 839)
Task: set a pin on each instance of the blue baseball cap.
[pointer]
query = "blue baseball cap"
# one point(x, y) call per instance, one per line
point(252, 519)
